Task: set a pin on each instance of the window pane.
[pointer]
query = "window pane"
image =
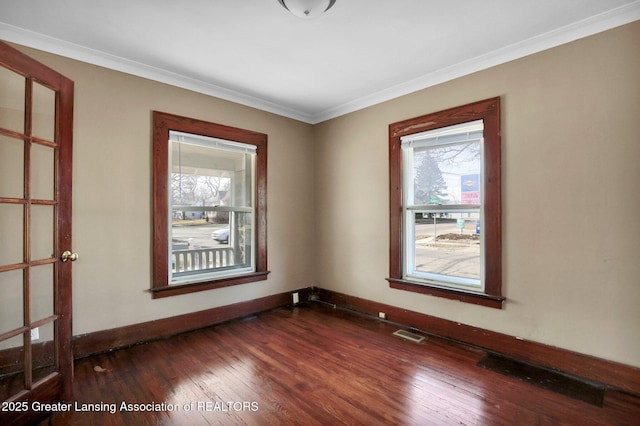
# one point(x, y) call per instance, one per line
point(211, 208)
point(204, 175)
point(447, 244)
point(214, 249)
point(447, 174)
point(444, 241)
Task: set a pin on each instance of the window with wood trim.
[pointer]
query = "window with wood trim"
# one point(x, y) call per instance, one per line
point(445, 204)
point(209, 205)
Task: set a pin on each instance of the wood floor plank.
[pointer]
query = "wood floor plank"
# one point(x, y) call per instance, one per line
point(314, 365)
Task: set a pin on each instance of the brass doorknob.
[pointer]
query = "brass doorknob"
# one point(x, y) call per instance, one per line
point(67, 255)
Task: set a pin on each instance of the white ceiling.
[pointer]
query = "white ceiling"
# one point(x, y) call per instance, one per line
point(253, 52)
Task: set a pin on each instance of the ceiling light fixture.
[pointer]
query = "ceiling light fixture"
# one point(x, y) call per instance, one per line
point(307, 9)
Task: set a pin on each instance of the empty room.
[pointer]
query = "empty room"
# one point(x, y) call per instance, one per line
point(319, 212)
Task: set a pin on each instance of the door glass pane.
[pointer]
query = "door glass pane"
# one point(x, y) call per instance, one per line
point(41, 232)
point(11, 167)
point(11, 100)
point(44, 112)
point(11, 234)
point(11, 301)
point(41, 292)
point(12, 374)
point(42, 160)
point(42, 351)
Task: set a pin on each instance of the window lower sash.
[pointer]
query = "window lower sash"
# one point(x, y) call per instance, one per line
point(208, 274)
point(441, 280)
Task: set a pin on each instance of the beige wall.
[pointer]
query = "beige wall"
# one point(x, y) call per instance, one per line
point(570, 170)
point(112, 196)
point(571, 204)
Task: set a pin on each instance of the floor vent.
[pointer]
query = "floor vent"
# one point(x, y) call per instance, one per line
point(409, 336)
point(564, 384)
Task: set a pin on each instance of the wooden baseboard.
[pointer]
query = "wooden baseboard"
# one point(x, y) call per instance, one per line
point(107, 340)
point(609, 373)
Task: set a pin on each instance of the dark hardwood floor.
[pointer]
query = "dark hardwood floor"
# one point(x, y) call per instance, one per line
point(314, 365)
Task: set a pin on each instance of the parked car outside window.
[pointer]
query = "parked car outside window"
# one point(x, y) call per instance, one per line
point(221, 235)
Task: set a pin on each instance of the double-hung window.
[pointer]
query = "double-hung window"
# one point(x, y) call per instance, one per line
point(209, 205)
point(212, 207)
point(442, 175)
point(445, 204)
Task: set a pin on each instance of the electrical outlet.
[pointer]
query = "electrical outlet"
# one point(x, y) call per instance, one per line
point(35, 333)
point(382, 315)
point(296, 298)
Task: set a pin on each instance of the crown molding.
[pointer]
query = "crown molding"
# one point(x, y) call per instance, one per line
point(80, 53)
point(587, 27)
point(598, 23)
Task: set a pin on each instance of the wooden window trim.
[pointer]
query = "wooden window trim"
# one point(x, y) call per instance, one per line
point(162, 124)
point(489, 111)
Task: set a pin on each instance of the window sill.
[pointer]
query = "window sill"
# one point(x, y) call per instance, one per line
point(174, 290)
point(483, 299)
